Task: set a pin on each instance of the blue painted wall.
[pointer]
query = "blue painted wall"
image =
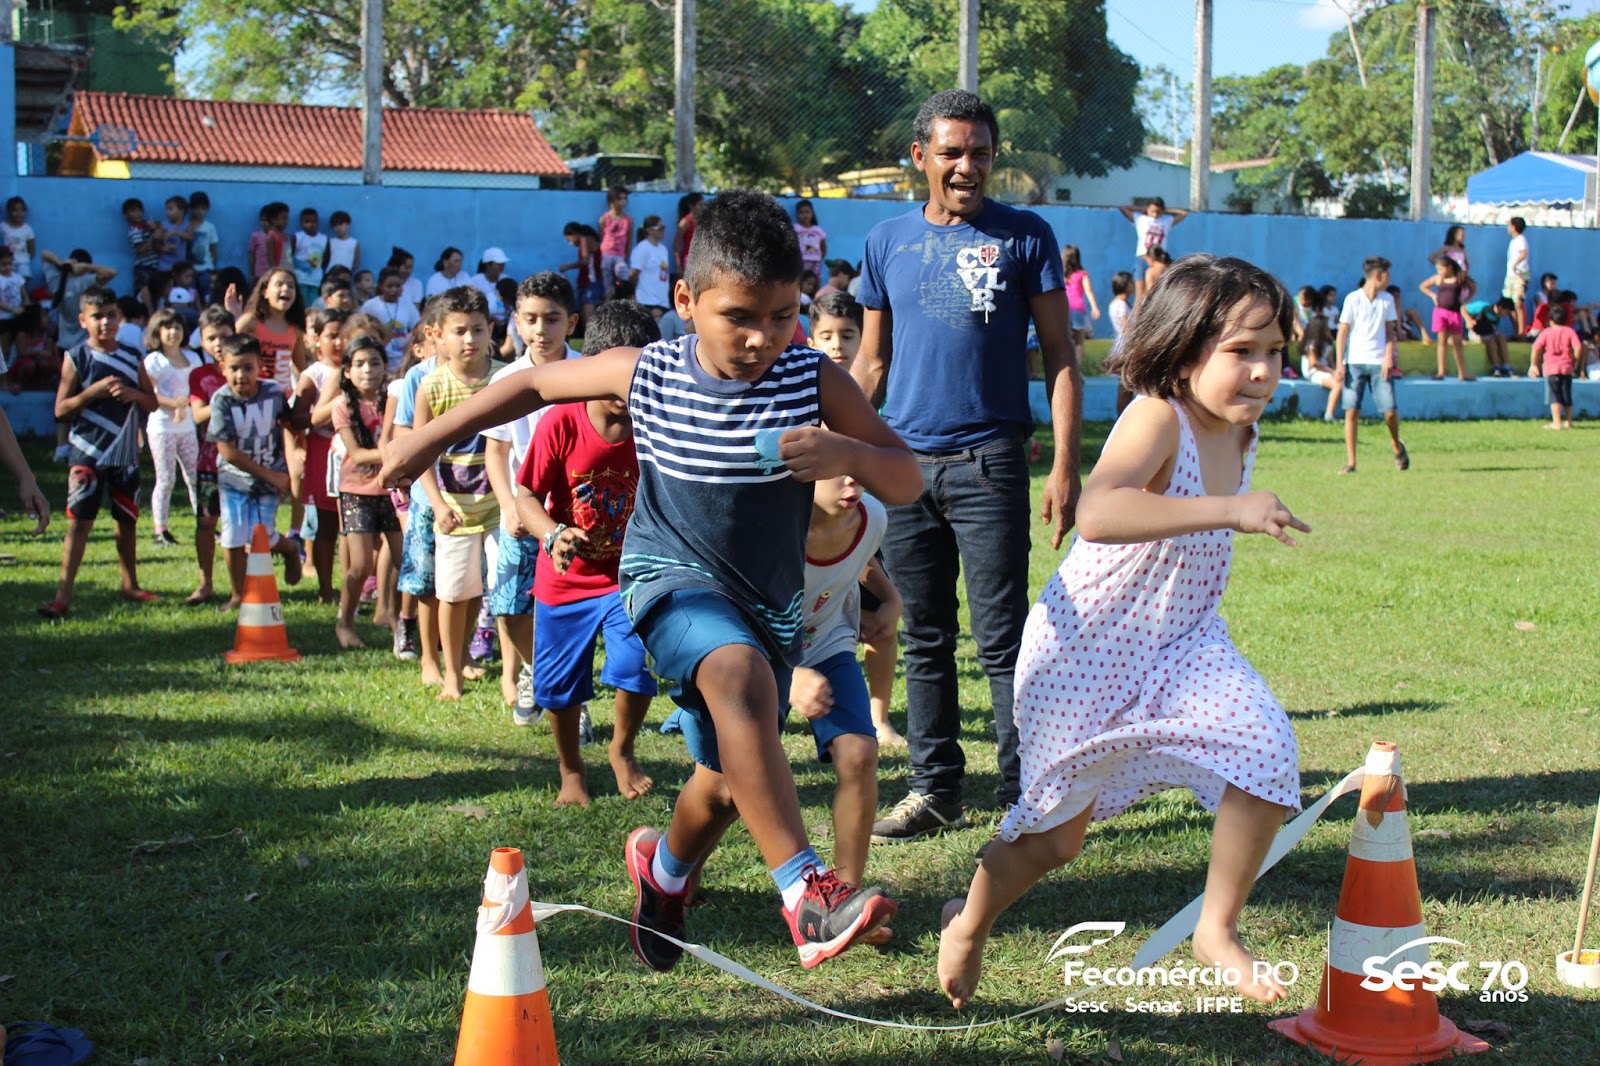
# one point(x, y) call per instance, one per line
point(85, 212)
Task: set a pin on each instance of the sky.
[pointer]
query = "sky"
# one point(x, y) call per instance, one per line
point(1248, 36)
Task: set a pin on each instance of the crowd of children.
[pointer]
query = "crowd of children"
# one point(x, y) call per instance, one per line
point(438, 441)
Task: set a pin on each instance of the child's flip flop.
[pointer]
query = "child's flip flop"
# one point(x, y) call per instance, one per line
point(54, 610)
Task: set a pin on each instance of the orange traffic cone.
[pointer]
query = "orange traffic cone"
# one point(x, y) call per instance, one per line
point(506, 1019)
point(261, 635)
point(1380, 912)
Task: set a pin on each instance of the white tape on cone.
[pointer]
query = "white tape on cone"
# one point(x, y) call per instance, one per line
point(506, 965)
point(505, 896)
point(260, 615)
point(1177, 929)
point(1388, 841)
point(258, 564)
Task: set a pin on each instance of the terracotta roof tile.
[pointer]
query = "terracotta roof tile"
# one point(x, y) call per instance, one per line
point(219, 132)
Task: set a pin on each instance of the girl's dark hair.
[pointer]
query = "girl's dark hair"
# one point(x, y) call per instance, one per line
point(225, 277)
point(686, 203)
point(644, 227)
point(363, 342)
point(806, 203)
point(439, 263)
point(259, 308)
point(398, 255)
point(1071, 261)
point(1446, 263)
point(1187, 308)
point(1451, 232)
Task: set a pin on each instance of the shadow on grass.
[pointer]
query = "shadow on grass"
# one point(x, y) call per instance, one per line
point(1376, 707)
point(1501, 469)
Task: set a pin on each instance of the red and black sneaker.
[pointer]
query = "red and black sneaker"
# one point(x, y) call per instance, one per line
point(833, 914)
point(653, 907)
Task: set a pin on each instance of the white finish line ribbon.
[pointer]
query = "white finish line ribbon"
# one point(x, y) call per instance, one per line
point(1177, 929)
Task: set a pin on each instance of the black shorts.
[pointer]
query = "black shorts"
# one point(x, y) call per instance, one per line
point(1558, 389)
point(87, 485)
point(368, 514)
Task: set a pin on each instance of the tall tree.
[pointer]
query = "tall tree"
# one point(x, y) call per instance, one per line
point(1063, 92)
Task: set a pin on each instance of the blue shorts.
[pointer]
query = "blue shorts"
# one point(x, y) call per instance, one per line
point(563, 651)
point(1358, 378)
point(416, 551)
point(242, 512)
point(1079, 319)
point(1140, 266)
point(852, 707)
point(593, 293)
point(678, 631)
point(510, 561)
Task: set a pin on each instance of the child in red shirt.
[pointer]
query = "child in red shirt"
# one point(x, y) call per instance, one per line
point(1557, 347)
point(582, 465)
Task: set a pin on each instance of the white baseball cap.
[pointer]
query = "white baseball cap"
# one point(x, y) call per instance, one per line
point(494, 255)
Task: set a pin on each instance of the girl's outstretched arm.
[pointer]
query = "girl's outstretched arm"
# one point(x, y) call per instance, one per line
point(1122, 501)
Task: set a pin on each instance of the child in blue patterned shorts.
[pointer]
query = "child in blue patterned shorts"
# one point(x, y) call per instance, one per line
point(727, 426)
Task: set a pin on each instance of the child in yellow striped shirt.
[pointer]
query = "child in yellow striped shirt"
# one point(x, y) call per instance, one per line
point(457, 486)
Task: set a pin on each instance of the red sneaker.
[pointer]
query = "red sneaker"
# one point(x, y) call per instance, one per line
point(832, 915)
point(653, 907)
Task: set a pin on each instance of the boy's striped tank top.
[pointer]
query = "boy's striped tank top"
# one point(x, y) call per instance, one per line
point(711, 511)
point(462, 473)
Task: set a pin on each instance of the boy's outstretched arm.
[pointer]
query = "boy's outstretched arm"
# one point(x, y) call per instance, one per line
point(604, 376)
point(856, 442)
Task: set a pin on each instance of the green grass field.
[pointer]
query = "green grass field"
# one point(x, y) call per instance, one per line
point(205, 863)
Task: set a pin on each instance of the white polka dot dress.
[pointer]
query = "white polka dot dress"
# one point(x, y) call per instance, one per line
point(1127, 684)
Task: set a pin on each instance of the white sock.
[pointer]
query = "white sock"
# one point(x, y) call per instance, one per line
point(666, 882)
point(792, 894)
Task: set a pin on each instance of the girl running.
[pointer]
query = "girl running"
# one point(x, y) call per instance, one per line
point(326, 329)
point(1080, 295)
point(1127, 684)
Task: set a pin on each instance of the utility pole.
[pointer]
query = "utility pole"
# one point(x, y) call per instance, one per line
point(1422, 117)
point(967, 74)
point(683, 61)
point(1533, 131)
point(1200, 150)
point(372, 92)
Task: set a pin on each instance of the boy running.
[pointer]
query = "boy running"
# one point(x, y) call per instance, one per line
point(216, 326)
point(727, 428)
point(105, 391)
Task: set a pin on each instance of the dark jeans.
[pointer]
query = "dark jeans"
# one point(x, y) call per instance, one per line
point(972, 517)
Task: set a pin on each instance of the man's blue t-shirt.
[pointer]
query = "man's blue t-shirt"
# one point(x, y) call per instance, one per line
point(958, 298)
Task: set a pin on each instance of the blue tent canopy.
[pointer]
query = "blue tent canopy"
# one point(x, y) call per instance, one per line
point(1535, 178)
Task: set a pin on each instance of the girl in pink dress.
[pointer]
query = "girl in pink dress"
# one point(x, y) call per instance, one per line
point(1127, 684)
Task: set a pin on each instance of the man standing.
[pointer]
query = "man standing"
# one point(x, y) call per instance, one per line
point(949, 289)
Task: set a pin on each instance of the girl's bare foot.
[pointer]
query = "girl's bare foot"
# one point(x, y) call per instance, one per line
point(348, 640)
point(385, 620)
point(203, 594)
point(231, 605)
point(327, 596)
point(574, 791)
point(450, 691)
point(432, 676)
point(888, 737)
point(1221, 948)
point(632, 781)
point(474, 673)
point(960, 955)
